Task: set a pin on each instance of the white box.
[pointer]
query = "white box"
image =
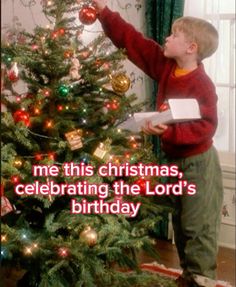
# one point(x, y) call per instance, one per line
point(180, 110)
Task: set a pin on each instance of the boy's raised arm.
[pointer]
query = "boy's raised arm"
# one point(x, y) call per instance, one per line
point(143, 52)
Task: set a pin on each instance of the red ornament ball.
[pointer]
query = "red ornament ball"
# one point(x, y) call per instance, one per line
point(22, 116)
point(88, 15)
point(142, 184)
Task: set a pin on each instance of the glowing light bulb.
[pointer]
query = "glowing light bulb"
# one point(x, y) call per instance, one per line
point(3, 238)
point(38, 156)
point(51, 156)
point(28, 251)
point(60, 108)
point(63, 252)
point(24, 236)
point(37, 111)
point(49, 124)
point(18, 99)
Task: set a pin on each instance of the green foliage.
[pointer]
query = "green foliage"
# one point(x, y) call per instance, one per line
point(43, 238)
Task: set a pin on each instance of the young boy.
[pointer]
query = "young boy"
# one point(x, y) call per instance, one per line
point(178, 69)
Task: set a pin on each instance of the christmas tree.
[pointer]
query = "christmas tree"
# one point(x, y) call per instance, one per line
point(55, 136)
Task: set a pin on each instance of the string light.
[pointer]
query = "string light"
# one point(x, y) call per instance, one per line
point(63, 252)
point(49, 124)
point(134, 145)
point(15, 179)
point(133, 159)
point(37, 111)
point(54, 35)
point(51, 156)
point(127, 155)
point(34, 47)
point(24, 236)
point(28, 251)
point(3, 252)
point(49, 3)
point(46, 92)
point(61, 31)
point(43, 38)
point(3, 238)
point(35, 245)
point(18, 99)
point(60, 108)
point(117, 161)
point(38, 156)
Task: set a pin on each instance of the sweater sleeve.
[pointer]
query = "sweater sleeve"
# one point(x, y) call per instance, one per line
point(143, 52)
point(197, 131)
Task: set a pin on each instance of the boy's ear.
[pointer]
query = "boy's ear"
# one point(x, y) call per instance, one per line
point(193, 47)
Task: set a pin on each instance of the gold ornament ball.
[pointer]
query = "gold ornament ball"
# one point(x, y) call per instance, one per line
point(89, 236)
point(120, 83)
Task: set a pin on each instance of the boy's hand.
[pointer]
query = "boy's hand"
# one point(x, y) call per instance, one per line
point(100, 4)
point(158, 130)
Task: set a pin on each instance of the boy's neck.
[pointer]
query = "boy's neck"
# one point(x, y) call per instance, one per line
point(189, 65)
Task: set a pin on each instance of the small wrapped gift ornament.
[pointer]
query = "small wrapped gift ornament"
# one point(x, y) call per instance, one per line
point(102, 151)
point(74, 139)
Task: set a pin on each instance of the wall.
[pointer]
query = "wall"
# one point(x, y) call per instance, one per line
point(227, 232)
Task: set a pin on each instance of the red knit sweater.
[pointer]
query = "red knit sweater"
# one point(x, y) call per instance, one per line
point(180, 139)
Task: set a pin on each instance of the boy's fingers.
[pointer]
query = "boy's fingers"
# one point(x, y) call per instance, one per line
point(145, 130)
point(162, 126)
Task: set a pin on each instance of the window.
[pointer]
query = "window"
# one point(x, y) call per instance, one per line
point(221, 66)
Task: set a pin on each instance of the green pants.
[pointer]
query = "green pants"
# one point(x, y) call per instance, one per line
point(196, 219)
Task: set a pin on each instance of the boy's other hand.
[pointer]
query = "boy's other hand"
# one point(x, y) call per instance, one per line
point(157, 130)
point(100, 4)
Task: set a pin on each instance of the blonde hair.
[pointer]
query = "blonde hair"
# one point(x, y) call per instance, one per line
point(203, 33)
